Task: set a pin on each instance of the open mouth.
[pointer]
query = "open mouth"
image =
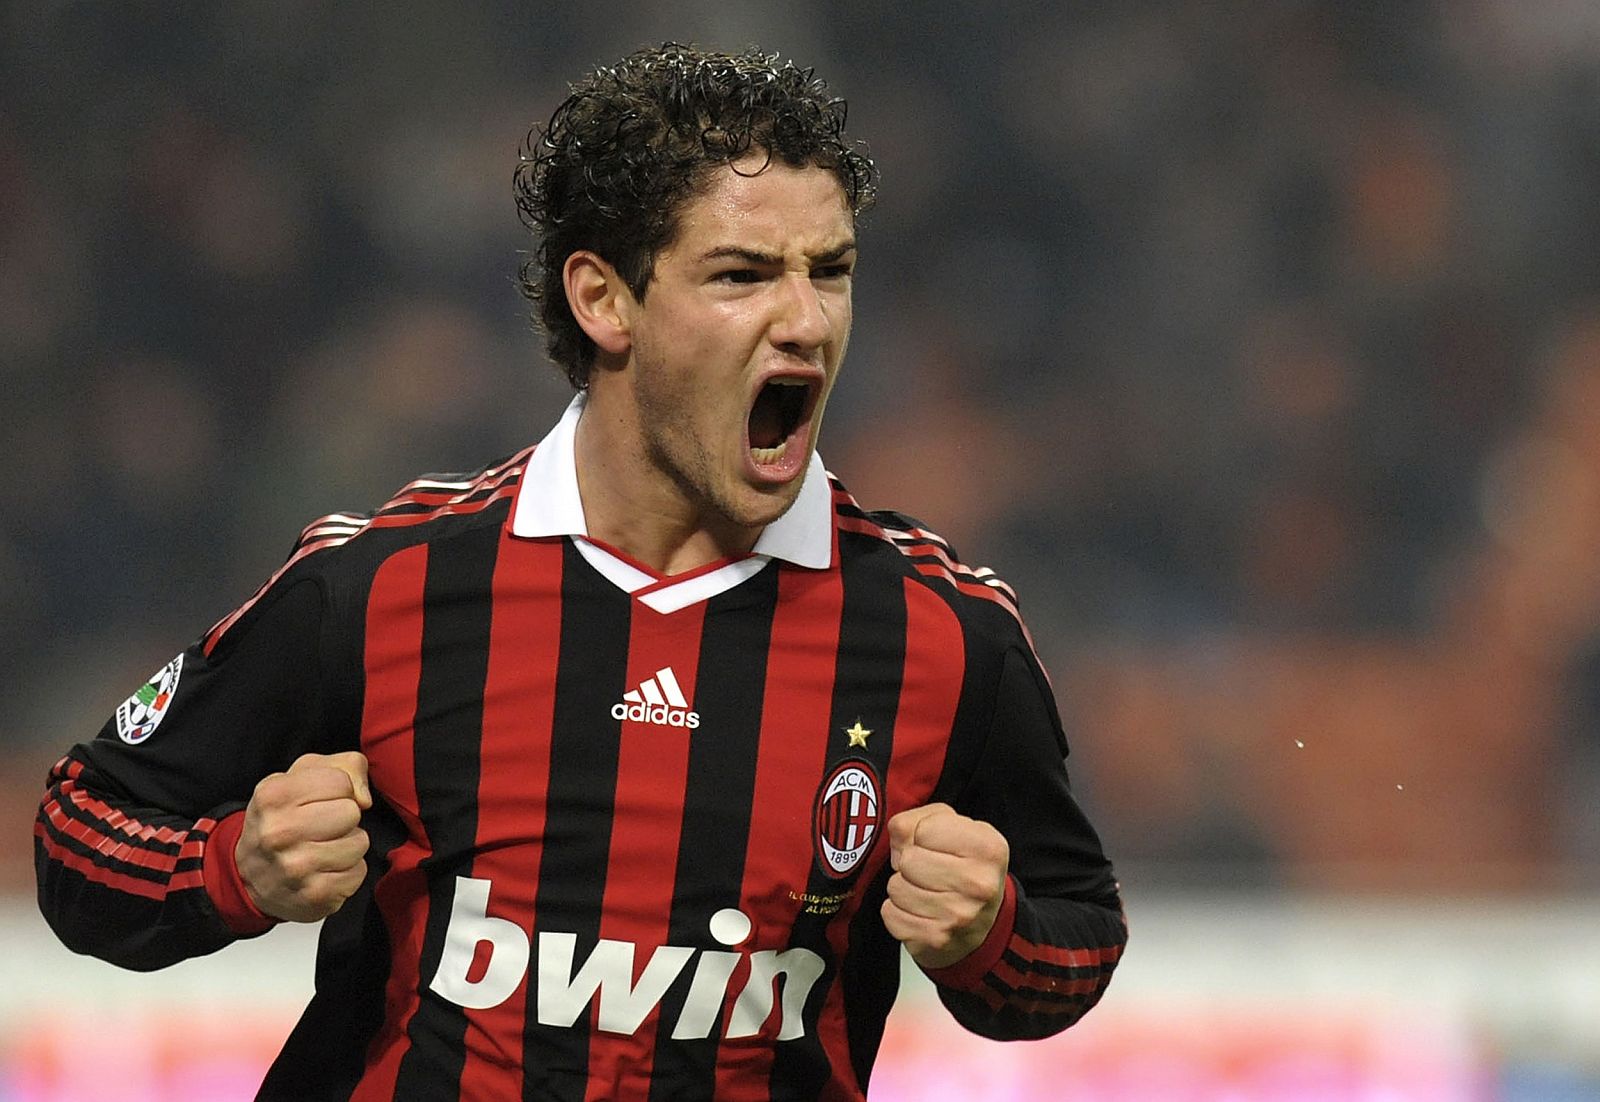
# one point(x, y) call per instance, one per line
point(781, 407)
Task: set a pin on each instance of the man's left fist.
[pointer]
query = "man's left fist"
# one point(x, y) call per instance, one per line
point(948, 883)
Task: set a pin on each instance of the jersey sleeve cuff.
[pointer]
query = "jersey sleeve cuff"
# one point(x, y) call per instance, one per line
point(967, 973)
point(223, 883)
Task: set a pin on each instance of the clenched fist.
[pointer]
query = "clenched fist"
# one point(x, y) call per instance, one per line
point(948, 883)
point(302, 851)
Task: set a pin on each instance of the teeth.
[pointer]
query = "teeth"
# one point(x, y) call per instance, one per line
point(764, 456)
point(789, 382)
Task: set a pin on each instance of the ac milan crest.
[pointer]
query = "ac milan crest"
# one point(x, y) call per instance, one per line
point(848, 815)
point(138, 716)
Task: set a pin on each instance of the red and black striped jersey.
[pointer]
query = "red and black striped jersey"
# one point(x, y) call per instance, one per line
point(620, 849)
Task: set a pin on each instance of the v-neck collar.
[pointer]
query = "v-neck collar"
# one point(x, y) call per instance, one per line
point(548, 505)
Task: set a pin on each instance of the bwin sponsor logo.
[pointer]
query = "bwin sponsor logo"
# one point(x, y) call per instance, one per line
point(562, 995)
point(657, 700)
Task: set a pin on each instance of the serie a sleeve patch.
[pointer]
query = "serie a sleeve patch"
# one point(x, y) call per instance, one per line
point(142, 713)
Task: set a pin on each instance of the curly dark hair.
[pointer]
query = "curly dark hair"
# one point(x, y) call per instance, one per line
point(618, 160)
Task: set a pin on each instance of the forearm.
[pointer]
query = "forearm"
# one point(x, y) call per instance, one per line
point(122, 882)
point(1060, 931)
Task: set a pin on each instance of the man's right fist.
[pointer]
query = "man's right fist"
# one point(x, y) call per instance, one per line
point(302, 851)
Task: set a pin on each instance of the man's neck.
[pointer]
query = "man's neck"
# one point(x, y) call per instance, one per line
point(630, 504)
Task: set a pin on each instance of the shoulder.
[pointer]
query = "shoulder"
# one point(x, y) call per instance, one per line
point(893, 541)
point(344, 550)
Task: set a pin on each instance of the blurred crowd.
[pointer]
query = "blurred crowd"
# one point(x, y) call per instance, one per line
point(1256, 343)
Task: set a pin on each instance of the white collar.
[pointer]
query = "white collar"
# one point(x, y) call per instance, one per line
point(548, 504)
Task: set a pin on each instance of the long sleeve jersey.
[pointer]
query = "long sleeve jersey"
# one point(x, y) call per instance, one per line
point(628, 836)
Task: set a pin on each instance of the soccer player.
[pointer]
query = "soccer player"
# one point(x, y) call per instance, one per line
point(624, 767)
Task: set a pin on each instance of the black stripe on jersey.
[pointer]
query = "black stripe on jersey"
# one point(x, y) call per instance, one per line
point(591, 676)
point(353, 962)
point(868, 993)
point(969, 729)
point(851, 509)
point(871, 665)
point(730, 688)
point(456, 610)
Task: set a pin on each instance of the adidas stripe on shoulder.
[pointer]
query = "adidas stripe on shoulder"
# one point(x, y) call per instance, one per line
point(929, 554)
point(419, 501)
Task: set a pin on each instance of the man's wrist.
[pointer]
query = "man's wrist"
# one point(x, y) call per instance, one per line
point(968, 972)
point(224, 884)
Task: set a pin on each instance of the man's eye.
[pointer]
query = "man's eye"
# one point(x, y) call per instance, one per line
point(739, 275)
point(831, 271)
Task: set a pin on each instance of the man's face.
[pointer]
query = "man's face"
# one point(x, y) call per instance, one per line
point(739, 339)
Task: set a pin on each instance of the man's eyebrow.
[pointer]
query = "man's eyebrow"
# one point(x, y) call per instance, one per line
point(756, 256)
point(838, 252)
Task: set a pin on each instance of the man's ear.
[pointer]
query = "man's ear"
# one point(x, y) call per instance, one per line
point(600, 301)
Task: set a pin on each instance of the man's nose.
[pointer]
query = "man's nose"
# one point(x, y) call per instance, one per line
point(801, 324)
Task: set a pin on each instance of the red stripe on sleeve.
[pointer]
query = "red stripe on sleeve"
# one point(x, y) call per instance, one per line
point(1099, 957)
point(1039, 986)
point(1041, 993)
point(69, 858)
point(108, 845)
point(393, 665)
point(117, 836)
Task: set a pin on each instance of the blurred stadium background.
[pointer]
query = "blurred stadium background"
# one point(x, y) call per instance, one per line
point(1256, 343)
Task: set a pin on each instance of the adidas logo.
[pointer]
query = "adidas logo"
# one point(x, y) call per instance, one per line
point(657, 700)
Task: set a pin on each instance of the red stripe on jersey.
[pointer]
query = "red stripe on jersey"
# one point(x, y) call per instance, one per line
point(452, 490)
point(513, 784)
point(930, 689)
point(652, 771)
point(337, 529)
point(918, 541)
point(393, 665)
point(795, 710)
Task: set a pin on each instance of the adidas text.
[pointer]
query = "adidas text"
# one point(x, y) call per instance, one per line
point(658, 714)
